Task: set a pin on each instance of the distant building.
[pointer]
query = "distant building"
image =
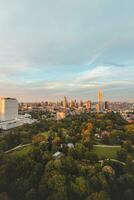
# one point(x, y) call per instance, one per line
point(9, 117)
point(88, 105)
point(75, 104)
point(105, 133)
point(107, 105)
point(61, 115)
point(100, 102)
point(65, 103)
point(8, 109)
point(97, 108)
point(57, 155)
point(70, 145)
point(72, 104)
point(81, 104)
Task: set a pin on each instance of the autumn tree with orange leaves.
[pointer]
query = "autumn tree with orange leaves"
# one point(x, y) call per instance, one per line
point(86, 132)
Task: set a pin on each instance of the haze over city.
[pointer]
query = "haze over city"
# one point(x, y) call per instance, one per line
point(50, 49)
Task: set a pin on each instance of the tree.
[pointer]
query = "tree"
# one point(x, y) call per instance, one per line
point(36, 175)
point(126, 186)
point(114, 137)
point(128, 194)
point(49, 143)
point(130, 128)
point(92, 157)
point(86, 132)
point(46, 157)
point(102, 195)
point(57, 141)
point(57, 187)
point(31, 194)
point(68, 166)
point(128, 146)
point(12, 139)
point(4, 196)
point(3, 179)
point(79, 188)
point(80, 150)
point(38, 138)
point(36, 154)
point(122, 155)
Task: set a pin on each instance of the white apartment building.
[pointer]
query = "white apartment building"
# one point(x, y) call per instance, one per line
point(9, 117)
point(8, 109)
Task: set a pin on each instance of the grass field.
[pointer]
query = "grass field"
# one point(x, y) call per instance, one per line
point(108, 152)
point(101, 151)
point(45, 134)
point(23, 152)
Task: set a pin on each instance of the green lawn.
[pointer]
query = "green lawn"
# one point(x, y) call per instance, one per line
point(108, 152)
point(45, 133)
point(23, 152)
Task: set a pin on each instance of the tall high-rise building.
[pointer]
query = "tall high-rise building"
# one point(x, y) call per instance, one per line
point(75, 104)
point(9, 117)
point(97, 108)
point(8, 109)
point(65, 103)
point(88, 105)
point(81, 103)
point(71, 103)
point(100, 96)
point(107, 106)
point(100, 101)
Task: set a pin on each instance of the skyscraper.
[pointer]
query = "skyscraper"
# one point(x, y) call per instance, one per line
point(8, 109)
point(107, 105)
point(9, 117)
point(72, 103)
point(65, 103)
point(100, 101)
point(88, 105)
point(100, 96)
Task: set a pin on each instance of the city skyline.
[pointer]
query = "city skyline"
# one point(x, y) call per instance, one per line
point(49, 50)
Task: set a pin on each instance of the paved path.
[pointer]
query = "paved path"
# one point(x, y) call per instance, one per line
point(117, 161)
point(103, 145)
point(102, 161)
point(17, 147)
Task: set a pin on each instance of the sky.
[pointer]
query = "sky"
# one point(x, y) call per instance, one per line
point(74, 48)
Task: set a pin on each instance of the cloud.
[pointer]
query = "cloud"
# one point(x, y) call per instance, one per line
point(94, 74)
point(47, 33)
point(48, 49)
point(107, 78)
point(108, 73)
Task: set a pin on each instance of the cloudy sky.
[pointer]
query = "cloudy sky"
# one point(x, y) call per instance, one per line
point(52, 48)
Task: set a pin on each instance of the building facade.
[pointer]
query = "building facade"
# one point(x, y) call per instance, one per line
point(8, 109)
point(9, 117)
point(100, 101)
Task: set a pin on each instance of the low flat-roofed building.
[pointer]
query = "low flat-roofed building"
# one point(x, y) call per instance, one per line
point(57, 155)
